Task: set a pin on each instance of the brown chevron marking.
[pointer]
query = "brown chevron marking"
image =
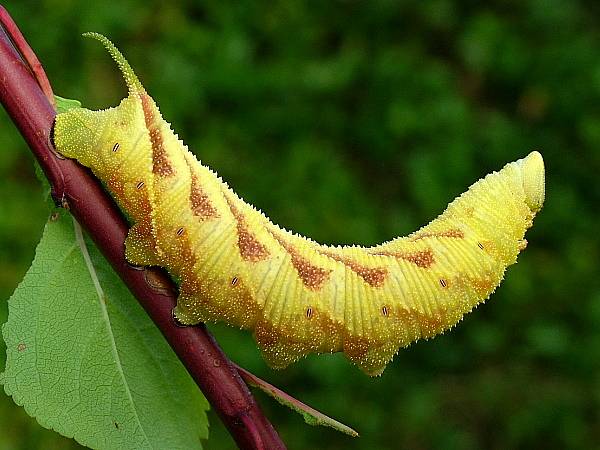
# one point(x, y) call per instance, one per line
point(150, 109)
point(251, 249)
point(201, 205)
point(312, 276)
point(160, 162)
point(456, 233)
point(374, 276)
point(422, 258)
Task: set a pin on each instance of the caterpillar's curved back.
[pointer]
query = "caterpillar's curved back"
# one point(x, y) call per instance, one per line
point(296, 295)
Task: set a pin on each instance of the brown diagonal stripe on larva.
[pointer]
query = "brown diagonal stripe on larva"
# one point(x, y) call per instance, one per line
point(312, 276)
point(251, 249)
point(149, 108)
point(421, 258)
point(374, 276)
point(456, 233)
point(160, 162)
point(201, 204)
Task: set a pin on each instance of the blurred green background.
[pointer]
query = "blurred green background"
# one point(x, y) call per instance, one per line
point(355, 122)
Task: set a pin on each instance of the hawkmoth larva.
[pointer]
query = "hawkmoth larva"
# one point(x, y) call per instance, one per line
point(296, 296)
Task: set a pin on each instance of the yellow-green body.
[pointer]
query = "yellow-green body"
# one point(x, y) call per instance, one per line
point(296, 295)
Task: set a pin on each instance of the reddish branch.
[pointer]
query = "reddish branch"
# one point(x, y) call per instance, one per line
point(22, 87)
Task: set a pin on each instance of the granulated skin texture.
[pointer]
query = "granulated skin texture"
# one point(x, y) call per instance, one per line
point(297, 296)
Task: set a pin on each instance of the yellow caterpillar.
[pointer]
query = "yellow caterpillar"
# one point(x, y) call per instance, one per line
point(297, 296)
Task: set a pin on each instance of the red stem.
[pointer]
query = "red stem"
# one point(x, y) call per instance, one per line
point(76, 188)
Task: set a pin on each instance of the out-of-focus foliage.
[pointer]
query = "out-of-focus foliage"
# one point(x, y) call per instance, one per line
point(355, 122)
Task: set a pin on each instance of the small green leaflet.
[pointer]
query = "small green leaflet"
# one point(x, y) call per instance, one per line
point(84, 359)
point(64, 104)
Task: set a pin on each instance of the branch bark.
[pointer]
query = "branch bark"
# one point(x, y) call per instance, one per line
point(22, 87)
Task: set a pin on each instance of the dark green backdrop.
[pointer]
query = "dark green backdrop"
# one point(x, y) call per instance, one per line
point(355, 122)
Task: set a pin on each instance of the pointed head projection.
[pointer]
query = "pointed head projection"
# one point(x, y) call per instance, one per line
point(133, 83)
point(105, 140)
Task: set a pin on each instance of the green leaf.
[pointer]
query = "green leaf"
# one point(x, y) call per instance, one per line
point(84, 359)
point(64, 104)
